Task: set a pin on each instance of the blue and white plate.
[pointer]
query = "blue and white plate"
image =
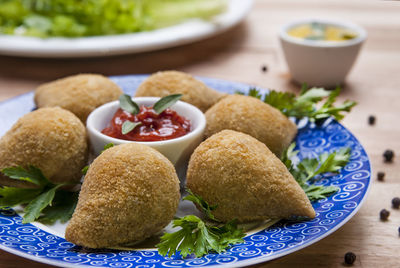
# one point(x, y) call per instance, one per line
point(45, 244)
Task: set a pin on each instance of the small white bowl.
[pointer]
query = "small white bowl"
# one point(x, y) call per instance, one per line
point(177, 150)
point(319, 62)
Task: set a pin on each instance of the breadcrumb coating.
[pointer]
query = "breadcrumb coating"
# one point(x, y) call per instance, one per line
point(165, 83)
point(129, 193)
point(52, 139)
point(245, 179)
point(254, 117)
point(80, 94)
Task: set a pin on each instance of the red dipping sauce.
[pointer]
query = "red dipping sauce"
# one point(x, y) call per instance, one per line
point(154, 127)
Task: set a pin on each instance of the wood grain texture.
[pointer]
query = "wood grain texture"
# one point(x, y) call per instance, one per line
point(238, 54)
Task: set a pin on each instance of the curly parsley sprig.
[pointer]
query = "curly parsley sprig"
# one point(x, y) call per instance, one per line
point(307, 104)
point(309, 168)
point(199, 237)
point(47, 202)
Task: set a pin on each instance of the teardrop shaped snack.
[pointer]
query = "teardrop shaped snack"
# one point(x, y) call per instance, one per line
point(245, 180)
point(165, 83)
point(51, 139)
point(129, 193)
point(80, 94)
point(254, 117)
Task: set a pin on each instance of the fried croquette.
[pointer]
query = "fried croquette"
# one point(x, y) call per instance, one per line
point(254, 117)
point(129, 193)
point(52, 139)
point(245, 180)
point(80, 94)
point(195, 92)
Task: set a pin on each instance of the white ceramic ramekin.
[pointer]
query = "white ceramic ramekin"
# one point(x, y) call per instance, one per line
point(177, 150)
point(319, 62)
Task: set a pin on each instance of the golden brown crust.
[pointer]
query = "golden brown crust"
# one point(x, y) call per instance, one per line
point(80, 94)
point(195, 92)
point(245, 179)
point(130, 192)
point(254, 117)
point(52, 139)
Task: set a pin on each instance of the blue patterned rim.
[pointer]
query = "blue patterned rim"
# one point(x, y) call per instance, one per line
point(282, 238)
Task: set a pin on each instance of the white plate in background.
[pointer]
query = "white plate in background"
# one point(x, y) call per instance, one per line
point(184, 33)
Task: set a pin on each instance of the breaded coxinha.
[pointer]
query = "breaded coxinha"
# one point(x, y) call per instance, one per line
point(245, 179)
point(52, 139)
point(165, 83)
point(80, 94)
point(129, 193)
point(254, 117)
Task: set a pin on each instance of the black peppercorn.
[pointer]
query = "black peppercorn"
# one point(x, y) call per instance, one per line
point(381, 175)
point(371, 120)
point(388, 155)
point(349, 258)
point(264, 68)
point(384, 214)
point(396, 202)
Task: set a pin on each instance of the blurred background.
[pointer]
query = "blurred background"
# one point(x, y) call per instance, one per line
point(250, 52)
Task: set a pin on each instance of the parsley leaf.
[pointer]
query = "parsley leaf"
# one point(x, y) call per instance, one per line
point(38, 200)
point(63, 207)
point(108, 146)
point(199, 237)
point(201, 204)
point(31, 174)
point(282, 101)
point(306, 104)
point(35, 207)
point(310, 168)
point(11, 196)
point(85, 169)
point(326, 162)
point(316, 192)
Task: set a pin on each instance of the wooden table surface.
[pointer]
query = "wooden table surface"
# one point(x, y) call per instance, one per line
point(238, 54)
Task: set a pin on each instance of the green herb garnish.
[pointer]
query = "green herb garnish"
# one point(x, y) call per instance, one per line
point(127, 104)
point(38, 199)
point(85, 169)
point(166, 102)
point(128, 126)
point(75, 18)
point(310, 168)
point(306, 104)
point(62, 208)
point(201, 204)
point(199, 237)
point(107, 146)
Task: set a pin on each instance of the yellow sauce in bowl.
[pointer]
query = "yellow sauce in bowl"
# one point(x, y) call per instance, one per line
point(321, 31)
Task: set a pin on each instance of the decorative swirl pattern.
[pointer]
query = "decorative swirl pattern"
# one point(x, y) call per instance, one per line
point(282, 238)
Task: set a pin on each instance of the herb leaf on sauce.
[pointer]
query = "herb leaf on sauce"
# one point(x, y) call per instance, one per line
point(166, 102)
point(127, 104)
point(128, 126)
